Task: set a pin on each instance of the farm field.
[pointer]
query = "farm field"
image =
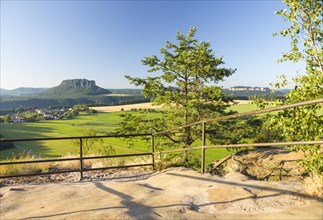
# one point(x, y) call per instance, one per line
point(244, 105)
point(117, 108)
point(101, 123)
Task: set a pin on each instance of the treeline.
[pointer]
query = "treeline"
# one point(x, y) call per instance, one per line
point(11, 104)
point(126, 91)
point(249, 95)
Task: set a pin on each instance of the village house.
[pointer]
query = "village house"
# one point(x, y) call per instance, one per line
point(249, 88)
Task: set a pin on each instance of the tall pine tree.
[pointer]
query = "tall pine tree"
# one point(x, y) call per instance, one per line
point(185, 87)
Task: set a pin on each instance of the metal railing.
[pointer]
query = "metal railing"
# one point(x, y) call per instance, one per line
point(239, 115)
point(203, 146)
point(81, 157)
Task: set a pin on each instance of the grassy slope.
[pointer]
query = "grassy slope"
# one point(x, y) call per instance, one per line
point(101, 123)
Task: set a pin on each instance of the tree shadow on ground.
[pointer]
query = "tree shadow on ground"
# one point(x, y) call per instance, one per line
point(282, 191)
point(134, 209)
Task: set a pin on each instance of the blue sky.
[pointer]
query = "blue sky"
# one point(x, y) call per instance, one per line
point(45, 42)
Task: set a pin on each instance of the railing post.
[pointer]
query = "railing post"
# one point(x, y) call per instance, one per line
point(81, 158)
point(203, 149)
point(153, 151)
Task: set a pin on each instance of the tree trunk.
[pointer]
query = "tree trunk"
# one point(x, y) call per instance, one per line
point(185, 156)
point(187, 140)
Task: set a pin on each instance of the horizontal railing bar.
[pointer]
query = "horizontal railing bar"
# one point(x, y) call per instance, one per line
point(39, 161)
point(75, 158)
point(239, 115)
point(119, 155)
point(116, 167)
point(72, 171)
point(76, 137)
point(245, 145)
point(39, 174)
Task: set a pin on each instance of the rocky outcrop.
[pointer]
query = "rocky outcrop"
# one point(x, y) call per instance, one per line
point(78, 83)
point(72, 88)
point(263, 164)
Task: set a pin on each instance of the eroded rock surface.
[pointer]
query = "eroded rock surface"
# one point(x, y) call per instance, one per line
point(264, 164)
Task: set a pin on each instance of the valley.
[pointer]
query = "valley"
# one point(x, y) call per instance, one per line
point(102, 123)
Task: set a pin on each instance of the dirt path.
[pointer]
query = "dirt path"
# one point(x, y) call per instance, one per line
point(25, 151)
point(176, 193)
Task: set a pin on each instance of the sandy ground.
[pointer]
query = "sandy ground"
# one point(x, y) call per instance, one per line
point(175, 193)
point(118, 108)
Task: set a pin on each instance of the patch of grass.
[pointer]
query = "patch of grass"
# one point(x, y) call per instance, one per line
point(23, 168)
point(68, 165)
point(241, 108)
point(8, 154)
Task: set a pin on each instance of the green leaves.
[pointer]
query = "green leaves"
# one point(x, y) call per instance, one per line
point(303, 123)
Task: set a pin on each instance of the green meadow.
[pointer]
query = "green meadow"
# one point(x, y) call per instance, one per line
point(101, 123)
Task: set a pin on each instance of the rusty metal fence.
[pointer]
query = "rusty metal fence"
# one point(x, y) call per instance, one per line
point(203, 146)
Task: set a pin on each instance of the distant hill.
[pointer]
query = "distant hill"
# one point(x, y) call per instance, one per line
point(4, 92)
point(74, 88)
point(21, 91)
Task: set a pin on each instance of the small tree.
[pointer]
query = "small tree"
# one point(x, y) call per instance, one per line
point(303, 123)
point(188, 68)
point(88, 144)
point(6, 119)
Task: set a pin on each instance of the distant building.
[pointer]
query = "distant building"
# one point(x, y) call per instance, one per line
point(17, 119)
point(249, 88)
point(51, 114)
